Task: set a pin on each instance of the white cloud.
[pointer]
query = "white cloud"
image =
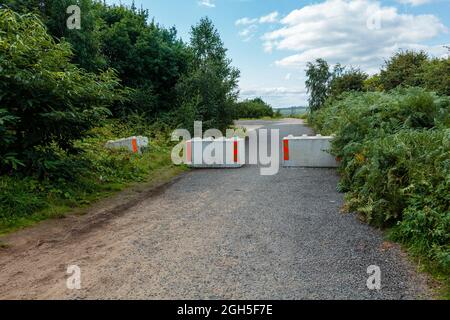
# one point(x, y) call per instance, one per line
point(288, 76)
point(251, 24)
point(343, 31)
point(207, 3)
point(270, 18)
point(248, 33)
point(245, 21)
point(414, 2)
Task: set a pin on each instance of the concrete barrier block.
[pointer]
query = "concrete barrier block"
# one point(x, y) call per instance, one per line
point(134, 144)
point(215, 153)
point(308, 151)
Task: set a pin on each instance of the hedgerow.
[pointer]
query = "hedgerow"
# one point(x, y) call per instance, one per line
point(395, 163)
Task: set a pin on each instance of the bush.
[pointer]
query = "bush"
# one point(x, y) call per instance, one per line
point(47, 100)
point(255, 108)
point(395, 162)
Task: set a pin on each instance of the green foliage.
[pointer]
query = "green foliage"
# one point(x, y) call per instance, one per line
point(47, 100)
point(148, 58)
point(253, 108)
point(209, 90)
point(318, 75)
point(349, 80)
point(373, 83)
point(403, 69)
point(395, 162)
point(435, 75)
point(411, 68)
point(73, 180)
point(86, 42)
point(323, 84)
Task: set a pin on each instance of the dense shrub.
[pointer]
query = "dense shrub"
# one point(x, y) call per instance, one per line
point(348, 80)
point(254, 108)
point(395, 162)
point(45, 99)
point(166, 76)
point(403, 69)
point(411, 68)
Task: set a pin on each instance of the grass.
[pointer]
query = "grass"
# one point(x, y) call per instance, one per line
point(97, 173)
point(423, 263)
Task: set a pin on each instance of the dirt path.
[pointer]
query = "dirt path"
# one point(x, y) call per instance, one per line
point(213, 234)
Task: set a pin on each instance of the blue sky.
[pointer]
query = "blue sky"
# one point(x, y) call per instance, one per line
point(270, 41)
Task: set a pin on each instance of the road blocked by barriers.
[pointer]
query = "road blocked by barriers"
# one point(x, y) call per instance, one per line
point(215, 153)
point(308, 151)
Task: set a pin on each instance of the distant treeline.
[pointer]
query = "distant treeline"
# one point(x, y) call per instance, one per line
point(254, 108)
point(292, 111)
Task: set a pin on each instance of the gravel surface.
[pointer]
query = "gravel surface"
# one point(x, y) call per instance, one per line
point(221, 234)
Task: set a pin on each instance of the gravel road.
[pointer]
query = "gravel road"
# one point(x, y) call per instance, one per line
point(215, 234)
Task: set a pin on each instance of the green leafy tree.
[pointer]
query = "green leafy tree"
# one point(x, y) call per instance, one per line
point(318, 75)
point(373, 83)
point(435, 75)
point(347, 80)
point(403, 69)
point(45, 99)
point(148, 58)
point(253, 108)
point(86, 42)
point(210, 88)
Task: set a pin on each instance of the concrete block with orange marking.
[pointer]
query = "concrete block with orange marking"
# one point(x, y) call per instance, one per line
point(308, 151)
point(215, 153)
point(133, 144)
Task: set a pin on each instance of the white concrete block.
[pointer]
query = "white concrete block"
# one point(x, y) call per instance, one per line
point(215, 153)
point(308, 151)
point(134, 144)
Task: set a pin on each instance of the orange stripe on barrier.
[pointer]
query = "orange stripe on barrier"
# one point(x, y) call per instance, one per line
point(134, 145)
point(235, 151)
point(188, 152)
point(286, 150)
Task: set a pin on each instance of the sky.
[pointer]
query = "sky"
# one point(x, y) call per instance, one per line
point(271, 41)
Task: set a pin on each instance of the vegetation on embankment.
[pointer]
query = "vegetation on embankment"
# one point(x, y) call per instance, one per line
point(73, 181)
point(394, 147)
point(65, 92)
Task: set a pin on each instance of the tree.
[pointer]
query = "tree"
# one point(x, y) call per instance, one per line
point(210, 88)
point(46, 101)
point(318, 75)
point(435, 75)
point(86, 42)
point(347, 80)
point(403, 69)
point(253, 108)
point(373, 84)
point(149, 58)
